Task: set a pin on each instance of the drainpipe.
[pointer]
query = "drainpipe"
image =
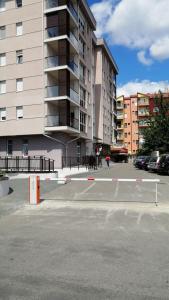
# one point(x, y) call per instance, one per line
point(59, 141)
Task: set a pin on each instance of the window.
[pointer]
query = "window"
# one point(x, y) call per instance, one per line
point(19, 28)
point(2, 5)
point(2, 87)
point(125, 125)
point(89, 77)
point(19, 85)
point(89, 99)
point(19, 57)
point(25, 147)
point(2, 114)
point(2, 59)
point(82, 122)
point(18, 3)
point(82, 97)
point(125, 135)
point(9, 147)
point(19, 112)
point(2, 32)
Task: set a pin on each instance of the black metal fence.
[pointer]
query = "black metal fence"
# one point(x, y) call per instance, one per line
point(90, 161)
point(26, 164)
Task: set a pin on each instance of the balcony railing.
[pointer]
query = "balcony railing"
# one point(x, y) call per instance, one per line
point(61, 120)
point(55, 3)
point(120, 116)
point(120, 127)
point(51, 4)
point(143, 113)
point(74, 40)
point(74, 96)
point(60, 91)
point(61, 60)
point(55, 31)
point(119, 106)
point(74, 67)
point(53, 91)
point(73, 11)
point(120, 137)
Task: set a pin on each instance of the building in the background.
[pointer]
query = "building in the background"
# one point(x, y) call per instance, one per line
point(49, 65)
point(133, 115)
point(127, 124)
point(105, 95)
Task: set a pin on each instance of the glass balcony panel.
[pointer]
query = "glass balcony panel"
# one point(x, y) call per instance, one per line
point(74, 40)
point(52, 91)
point(74, 67)
point(73, 11)
point(55, 31)
point(55, 61)
point(61, 120)
point(74, 96)
point(51, 4)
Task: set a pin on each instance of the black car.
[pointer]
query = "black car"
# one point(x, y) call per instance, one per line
point(163, 165)
point(145, 163)
point(140, 161)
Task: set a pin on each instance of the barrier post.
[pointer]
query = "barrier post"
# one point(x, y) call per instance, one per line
point(34, 190)
point(156, 200)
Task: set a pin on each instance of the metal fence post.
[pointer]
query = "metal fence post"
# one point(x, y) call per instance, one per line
point(29, 164)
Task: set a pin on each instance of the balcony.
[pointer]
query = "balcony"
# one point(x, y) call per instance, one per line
point(120, 116)
point(55, 31)
point(52, 62)
point(74, 40)
point(119, 106)
point(58, 31)
point(55, 91)
point(59, 122)
point(120, 137)
point(51, 4)
point(143, 113)
point(120, 127)
point(143, 102)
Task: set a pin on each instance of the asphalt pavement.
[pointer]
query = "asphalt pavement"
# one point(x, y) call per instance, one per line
point(73, 249)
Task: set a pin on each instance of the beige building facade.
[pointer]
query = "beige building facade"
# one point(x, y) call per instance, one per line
point(49, 72)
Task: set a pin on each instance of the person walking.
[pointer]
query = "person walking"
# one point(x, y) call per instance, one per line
point(108, 160)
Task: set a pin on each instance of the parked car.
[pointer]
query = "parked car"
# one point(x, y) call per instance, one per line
point(153, 164)
point(139, 161)
point(145, 163)
point(163, 166)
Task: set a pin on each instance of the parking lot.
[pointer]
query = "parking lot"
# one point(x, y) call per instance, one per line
point(87, 240)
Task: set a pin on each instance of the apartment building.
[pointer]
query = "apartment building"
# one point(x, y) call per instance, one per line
point(133, 115)
point(47, 78)
point(105, 94)
point(127, 124)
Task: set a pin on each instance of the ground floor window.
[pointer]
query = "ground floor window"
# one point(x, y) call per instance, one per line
point(25, 147)
point(9, 147)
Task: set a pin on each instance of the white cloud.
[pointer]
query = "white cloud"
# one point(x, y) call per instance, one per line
point(143, 59)
point(137, 24)
point(145, 86)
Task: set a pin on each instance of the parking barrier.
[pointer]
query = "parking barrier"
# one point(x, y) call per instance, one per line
point(35, 186)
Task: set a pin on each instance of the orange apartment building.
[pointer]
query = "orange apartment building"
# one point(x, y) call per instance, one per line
point(132, 117)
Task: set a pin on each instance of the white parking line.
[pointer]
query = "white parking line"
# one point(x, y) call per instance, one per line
point(139, 218)
point(88, 188)
point(116, 190)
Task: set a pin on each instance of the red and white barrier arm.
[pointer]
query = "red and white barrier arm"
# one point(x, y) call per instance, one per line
point(68, 179)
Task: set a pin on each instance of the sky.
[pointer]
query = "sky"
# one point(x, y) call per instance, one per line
point(137, 33)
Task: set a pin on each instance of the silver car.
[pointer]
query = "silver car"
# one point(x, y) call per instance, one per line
point(153, 164)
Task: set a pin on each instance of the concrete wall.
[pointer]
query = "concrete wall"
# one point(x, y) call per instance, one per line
point(31, 70)
point(4, 187)
point(42, 146)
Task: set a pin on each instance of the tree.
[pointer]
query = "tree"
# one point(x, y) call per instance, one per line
point(156, 136)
